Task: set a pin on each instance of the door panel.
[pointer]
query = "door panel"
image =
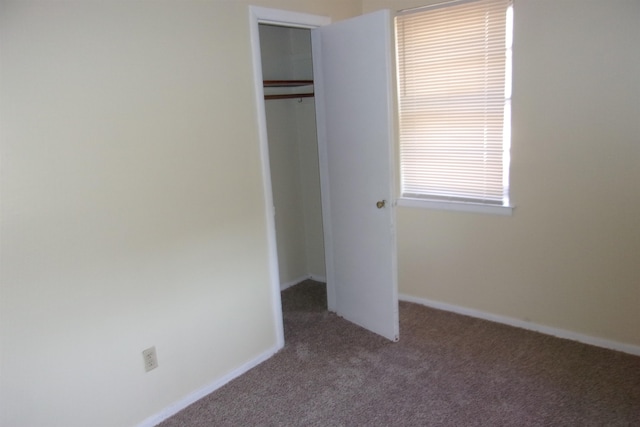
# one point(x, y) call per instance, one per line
point(352, 73)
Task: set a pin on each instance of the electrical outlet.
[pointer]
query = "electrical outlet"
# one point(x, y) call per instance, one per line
point(150, 359)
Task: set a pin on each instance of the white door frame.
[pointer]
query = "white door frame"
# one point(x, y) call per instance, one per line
point(260, 15)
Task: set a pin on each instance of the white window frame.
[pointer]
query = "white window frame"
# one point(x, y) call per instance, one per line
point(506, 208)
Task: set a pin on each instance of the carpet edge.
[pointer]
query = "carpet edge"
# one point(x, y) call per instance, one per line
point(547, 330)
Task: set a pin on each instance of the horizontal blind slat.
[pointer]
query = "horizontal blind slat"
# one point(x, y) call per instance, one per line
point(451, 85)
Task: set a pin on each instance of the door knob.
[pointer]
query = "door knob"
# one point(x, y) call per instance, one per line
point(381, 204)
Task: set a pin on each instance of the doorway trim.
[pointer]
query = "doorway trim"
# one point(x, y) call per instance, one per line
point(261, 15)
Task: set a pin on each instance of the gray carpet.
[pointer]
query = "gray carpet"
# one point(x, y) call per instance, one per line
point(447, 370)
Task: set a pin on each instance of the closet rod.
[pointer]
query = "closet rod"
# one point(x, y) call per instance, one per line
point(287, 83)
point(290, 95)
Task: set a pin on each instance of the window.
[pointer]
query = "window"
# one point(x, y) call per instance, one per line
point(454, 90)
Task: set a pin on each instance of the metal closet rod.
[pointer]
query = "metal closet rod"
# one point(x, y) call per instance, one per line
point(288, 83)
point(290, 95)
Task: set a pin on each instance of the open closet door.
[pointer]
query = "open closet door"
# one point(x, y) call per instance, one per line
point(352, 73)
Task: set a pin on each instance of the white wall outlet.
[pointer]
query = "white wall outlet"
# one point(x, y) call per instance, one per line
point(150, 358)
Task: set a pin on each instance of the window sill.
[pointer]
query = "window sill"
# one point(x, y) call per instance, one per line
point(455, 206)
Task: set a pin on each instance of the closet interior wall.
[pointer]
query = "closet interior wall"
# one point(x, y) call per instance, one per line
point(293, 155)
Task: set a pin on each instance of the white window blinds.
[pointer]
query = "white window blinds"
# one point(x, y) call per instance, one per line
point(454, 77)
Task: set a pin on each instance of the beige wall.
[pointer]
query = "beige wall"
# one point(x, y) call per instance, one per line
point(310, 178)
point(133, 215)
point(132, 205)
point(295, 177)
point(293, 155)
point(569, 257)
point(284, 158)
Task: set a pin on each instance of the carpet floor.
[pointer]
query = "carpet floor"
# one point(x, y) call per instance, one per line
point(446, 370)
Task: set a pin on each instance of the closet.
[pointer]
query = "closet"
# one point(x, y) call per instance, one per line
point(287, 71)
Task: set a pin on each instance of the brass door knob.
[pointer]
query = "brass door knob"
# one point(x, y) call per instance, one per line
point(381, 204)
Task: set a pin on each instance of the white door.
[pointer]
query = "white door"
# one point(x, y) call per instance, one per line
point(353, 86)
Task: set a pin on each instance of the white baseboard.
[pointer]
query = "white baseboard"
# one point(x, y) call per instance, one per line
point(301, 279)
point(560, 333)
point(199, 394)
point(287, 285)
point(321, 279)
